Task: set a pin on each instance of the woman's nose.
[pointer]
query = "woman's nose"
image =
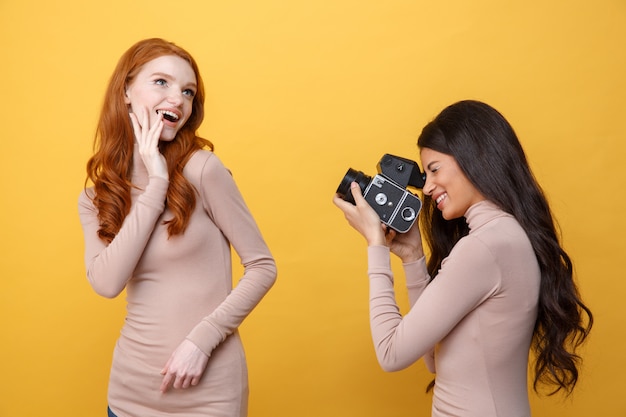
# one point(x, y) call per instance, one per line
point(175, 98)
point(429, 187)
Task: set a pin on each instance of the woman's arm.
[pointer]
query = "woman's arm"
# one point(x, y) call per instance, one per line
point(407, 246)
point(110, 266)
point(417, 279)
point(467, 277)
point(225, 205)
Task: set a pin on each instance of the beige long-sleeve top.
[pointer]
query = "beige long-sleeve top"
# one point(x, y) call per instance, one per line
point(180, 287)
point(473, 323)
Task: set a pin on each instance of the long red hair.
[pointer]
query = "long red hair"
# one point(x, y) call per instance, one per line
point(111, 165)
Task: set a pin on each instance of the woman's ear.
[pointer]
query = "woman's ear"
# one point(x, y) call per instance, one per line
point(126, 96)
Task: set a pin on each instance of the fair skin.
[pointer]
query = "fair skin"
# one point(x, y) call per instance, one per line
point(445, 181)
point(160, 100)
point(407, 246)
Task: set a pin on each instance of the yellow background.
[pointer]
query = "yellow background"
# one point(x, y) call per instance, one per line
point(297, 92)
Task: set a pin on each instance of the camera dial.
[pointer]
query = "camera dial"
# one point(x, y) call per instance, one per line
point(408, 214)
point(381, 199)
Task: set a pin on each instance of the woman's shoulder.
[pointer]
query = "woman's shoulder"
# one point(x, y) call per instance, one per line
point(203, 163)
point(199, 160)
point(502, 237)
point(85, 201)
point(86, 195)
point(201, 156)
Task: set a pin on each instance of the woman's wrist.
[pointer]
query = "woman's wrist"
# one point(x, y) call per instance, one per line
point(410, 258)
point(377, 242)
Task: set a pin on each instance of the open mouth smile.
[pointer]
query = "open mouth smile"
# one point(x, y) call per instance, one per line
point(440, 198)
point(168, 115)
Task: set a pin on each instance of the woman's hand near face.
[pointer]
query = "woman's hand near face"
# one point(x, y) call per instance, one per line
point(147, 138)
point(362, 217)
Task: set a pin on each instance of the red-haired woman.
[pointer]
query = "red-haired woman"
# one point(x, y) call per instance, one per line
point(159, 222)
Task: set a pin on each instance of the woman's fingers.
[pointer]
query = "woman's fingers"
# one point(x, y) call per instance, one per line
point(184, 368)
point(357, 194)
point(154, 133)
point(362, 217)
point(147, 137)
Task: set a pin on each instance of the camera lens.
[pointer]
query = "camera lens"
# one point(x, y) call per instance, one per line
point(352, 176)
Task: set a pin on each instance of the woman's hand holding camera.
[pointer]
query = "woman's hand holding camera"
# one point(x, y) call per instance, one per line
point(407, 246)
point(362, 217)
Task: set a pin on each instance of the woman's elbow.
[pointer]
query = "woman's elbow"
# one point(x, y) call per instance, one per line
point(106, 291)
point(273, 272)
point(270, 277)
point(268, 271)
point(390, 362)
point(391, 366)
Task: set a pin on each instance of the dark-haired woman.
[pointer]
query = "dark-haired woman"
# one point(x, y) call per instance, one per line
point(159, 222)
point(497, 282)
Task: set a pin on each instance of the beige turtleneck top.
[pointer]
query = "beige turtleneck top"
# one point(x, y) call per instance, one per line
point(180, 287)
point(473, 323)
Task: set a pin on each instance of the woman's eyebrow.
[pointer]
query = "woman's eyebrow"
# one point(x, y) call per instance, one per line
point(171, 77)
point(430, 165)
point(162, 74)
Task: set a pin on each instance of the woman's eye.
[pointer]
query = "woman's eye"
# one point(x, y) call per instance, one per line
point(160, 81)
point(189, 92)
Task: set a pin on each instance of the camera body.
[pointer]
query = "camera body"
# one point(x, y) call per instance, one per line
point(386, 192)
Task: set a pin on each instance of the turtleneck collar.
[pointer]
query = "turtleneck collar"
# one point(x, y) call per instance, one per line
point(483, 212)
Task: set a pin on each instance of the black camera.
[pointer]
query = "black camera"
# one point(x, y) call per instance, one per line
point(386, 192)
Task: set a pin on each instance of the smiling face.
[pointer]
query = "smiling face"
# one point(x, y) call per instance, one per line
point(164, 87)
point(448, 186)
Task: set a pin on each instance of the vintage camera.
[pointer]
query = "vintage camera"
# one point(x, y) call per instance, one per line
point(386, 192)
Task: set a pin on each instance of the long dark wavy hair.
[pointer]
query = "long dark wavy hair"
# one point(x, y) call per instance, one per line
point(489, 153)
point(111, 165)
